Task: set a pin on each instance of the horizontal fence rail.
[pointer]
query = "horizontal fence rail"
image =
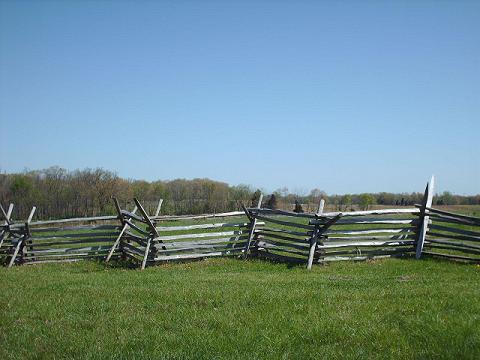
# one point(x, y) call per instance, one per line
point(286, 236)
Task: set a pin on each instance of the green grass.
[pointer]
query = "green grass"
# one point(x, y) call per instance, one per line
point(228, 308)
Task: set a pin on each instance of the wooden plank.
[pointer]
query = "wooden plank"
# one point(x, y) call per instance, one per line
point(471, 219)
point(374, 212)
point(427, 202)
point(15, 253)
point(285, 223)
point(6, 215)
point(153, 231)
point(359, 252)
point(75, 228)
point(280, 258)
point(147, 251)
point(85, 219)
point(452, 248)
point(197, 217)
point(195, 256)
point(202, 248)
point(199, 235)
point(257, 211)
point(74, 236)
point(330, 239)
point(367, 243)
point(149, 223)
point(124, 228)
point(200, 226)
point(115, 243)
point(287, 232)
point(157, 212)
point(376, 222)
point(304, 240)
point(74, 249)
point(371, 231)
point(32, 212)
point(353, 258)
point(253, 222)
point(272, 244)
point(136, 228)
point(225, 240)
point(473, 234)
point(455, 257)
point(314, 238)
point(453, 237)
point(36, 245)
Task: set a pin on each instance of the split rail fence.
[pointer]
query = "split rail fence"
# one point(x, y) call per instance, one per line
point(303, 238)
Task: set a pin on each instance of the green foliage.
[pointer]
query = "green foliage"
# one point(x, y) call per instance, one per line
point(255, 198)
point(366, 200)
point(345, 202)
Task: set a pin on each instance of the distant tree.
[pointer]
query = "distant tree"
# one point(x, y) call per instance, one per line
point(272, 202)
point(366, 200)
point(447, 198)
point(345, 202)
point(298, 207)
point(255, 197)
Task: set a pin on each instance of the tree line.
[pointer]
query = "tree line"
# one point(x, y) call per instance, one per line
point(58, 193)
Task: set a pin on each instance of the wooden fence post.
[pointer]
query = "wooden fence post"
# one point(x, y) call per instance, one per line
point(159, 207)
point(25, 234)
point(424, 218)
point(27, 229)
point(153, 231)
point(6, 226)
point(253, 223)
point(314, 238)
point(124, 228)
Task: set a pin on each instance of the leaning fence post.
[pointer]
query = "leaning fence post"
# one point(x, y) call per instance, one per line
point(253, 223)
point(153, 231)
point(159, 207)
point(25, 234)
point(124, 228)
point(6, 226)
point(424, 218)
point(28, 233)
point(314, 238)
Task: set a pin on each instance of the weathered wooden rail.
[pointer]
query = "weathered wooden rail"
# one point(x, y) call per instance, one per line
point(303, 238)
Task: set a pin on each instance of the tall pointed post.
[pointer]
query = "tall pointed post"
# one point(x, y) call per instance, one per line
point(28, 234)
point(424, 218)
point(253, 223)
point(314, 238)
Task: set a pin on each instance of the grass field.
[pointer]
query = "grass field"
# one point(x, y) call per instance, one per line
point(228, 308)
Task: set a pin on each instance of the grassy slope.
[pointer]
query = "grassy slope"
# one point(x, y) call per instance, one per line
point(227, 308)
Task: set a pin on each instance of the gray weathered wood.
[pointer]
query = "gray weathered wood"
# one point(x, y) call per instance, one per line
point(157, 212)
point(122, 231)
point(201, 226)
point(318, 232)
point(15, 253)
point(314, 238)
point(473, 219)
point(253, 223)
point(147, 251)
point(427, 202)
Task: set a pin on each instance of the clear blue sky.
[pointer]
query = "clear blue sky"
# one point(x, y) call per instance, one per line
point(347, 97)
